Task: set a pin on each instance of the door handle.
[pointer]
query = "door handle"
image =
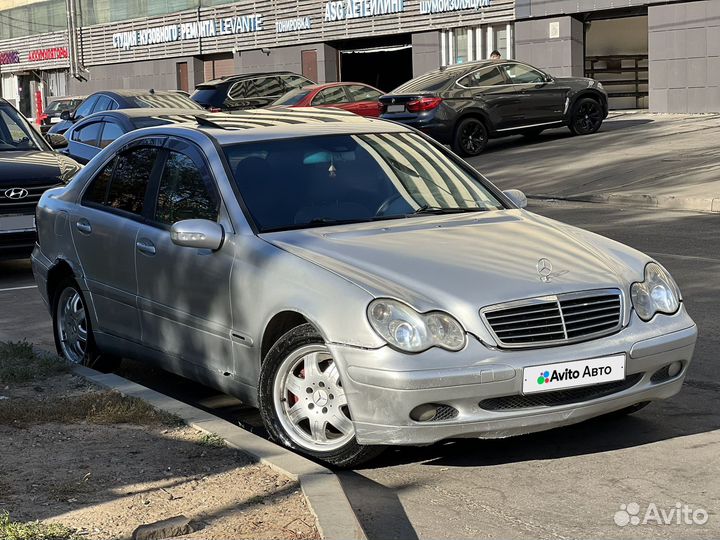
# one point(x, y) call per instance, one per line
point(83, 225)
point(145, 246)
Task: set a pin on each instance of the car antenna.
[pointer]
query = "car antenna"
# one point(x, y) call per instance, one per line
point(205, 121)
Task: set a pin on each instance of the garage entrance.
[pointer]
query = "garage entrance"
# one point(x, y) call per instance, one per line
point(384, 63)
point(616, 54)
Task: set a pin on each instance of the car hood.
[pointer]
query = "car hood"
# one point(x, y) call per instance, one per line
point(461, 263)
point(31, 167)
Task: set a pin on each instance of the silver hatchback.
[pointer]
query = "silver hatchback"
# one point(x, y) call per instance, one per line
point(354, 280)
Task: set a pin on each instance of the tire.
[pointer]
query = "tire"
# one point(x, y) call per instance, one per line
point(72, 329)
point(587, 117)
point(532, 133)
point(471, 137)
point(319, 425)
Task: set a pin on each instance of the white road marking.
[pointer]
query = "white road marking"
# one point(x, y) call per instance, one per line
point(19, 288)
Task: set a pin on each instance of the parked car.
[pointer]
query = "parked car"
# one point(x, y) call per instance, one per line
point(55, 108)
point(354, 280)
point(356, 98)
point(111, 100)
point(28, 166)
point(249, 91)
point(465, 105)
point(90, 135)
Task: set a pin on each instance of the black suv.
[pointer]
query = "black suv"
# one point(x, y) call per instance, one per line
point(467, 104)
point(249, 91)
point(109, 100)
point(28, 167)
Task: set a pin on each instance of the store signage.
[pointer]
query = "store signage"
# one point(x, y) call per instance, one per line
point(443, 6)
point(293, 25)
point(40, 55)
point(355, 9)
point(9, 57)
point(191, 30)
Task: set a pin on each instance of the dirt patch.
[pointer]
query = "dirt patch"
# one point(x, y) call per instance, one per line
point(102, 465)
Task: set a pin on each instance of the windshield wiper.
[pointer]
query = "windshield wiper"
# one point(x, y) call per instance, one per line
point(427, 209)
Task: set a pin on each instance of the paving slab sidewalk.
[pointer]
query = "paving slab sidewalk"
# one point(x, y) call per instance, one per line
point(644, 159)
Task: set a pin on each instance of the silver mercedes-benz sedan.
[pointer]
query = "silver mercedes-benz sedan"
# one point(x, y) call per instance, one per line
point(355, 281)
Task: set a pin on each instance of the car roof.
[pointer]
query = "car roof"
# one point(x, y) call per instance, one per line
point(320, 86)
point(133, 93)
point(242, 76)
point(268, 124)
point(65, 98)
point(146, 112)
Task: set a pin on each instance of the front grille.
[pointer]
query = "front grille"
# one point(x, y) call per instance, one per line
point(27, 204)
point(559, 397)
point(557, 319)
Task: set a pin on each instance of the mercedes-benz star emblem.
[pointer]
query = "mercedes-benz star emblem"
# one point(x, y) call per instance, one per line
point(544, 268)
point(16, 193)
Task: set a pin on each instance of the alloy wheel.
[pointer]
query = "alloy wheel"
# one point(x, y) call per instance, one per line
point(310, 401)
point(472, 137)
point(588, 117)
point(72, 325)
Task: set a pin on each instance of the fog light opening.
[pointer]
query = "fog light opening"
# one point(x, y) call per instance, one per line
point(674, 369)
point(424, 413)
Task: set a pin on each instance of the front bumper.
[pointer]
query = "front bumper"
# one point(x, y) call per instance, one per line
point(383, 386)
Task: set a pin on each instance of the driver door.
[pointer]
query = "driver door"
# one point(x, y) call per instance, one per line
point(540, 99)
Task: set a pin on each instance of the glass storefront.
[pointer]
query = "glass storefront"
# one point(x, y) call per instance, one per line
point(461, 45)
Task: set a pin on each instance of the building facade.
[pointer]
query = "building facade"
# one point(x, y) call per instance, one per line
point(657, 54)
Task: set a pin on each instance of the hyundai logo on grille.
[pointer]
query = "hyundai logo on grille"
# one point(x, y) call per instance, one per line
point(16, 193)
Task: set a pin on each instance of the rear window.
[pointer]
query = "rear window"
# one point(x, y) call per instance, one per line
point(292, 98)
point(206, 95)
point(430, 82)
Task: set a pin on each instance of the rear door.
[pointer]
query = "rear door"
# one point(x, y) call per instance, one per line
point(105, 227)
point(540, 99)
point(487, 88)
point(84, 143)
point(184, 293)
point(363, 100)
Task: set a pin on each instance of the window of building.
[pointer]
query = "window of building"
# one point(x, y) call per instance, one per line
point(461, 45)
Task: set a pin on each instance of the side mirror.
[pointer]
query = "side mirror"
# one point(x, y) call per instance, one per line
point(198, 233)
point(56, 140)
point(65, 115)
point(517, 197)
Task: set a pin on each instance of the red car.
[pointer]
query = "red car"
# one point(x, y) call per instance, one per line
point(354, 97)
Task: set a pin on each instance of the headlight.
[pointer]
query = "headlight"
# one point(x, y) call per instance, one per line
point(406, 329)
point(599, 85)
point(657, 294)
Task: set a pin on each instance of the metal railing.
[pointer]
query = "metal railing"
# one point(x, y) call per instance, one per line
point(631, 68)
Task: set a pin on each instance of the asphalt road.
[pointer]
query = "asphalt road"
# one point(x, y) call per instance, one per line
point(566, 483)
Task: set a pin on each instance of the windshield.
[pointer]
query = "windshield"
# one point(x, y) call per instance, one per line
point(63, 105)
point(292, 98)
point(16, 133)
point(335, 179)
point(170, 100)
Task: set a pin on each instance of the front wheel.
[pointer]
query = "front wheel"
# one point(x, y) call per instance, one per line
point(303, 403)
point(587, 117)
point(471, 137)
point(72, 329)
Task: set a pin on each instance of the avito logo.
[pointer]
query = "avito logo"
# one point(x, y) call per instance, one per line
point(568, 374)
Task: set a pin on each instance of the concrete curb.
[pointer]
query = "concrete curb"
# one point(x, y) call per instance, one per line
point(666, 202)
point(320, 486)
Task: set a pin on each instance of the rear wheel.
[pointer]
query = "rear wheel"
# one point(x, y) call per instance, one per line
point(303, 403)
point(72, 329)
point(587, 117)
point(471, 137)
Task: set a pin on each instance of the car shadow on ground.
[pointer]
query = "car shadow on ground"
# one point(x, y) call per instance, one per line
point(557, 134)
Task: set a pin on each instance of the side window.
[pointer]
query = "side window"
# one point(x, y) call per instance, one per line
point(113, 105)
point(130, 179)
point(97, 190)
point(88, 134)
point(267, 86)
point(86, 107)
point(183, 192)
point(103, 104)
point(110, 132)
point(483, 77)
point(330, 96)
point(363, 93)
point(294, 81)
point(519, 74)
point(239, 90)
